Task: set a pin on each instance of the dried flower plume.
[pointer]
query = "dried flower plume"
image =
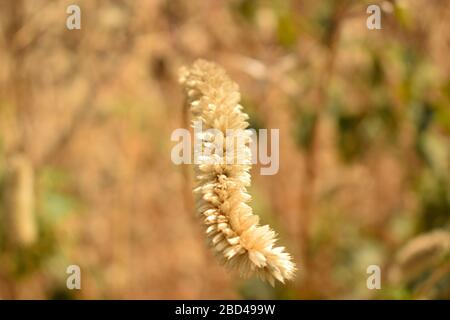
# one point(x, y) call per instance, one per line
point(19, 201)
point(221, 192)
point(422, 253)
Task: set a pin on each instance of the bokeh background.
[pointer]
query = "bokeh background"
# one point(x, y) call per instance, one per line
point(85, 123)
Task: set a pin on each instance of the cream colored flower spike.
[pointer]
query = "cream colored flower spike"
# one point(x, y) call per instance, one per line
point(221, 193)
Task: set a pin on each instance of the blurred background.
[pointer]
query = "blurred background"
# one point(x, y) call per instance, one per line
point(85, 123)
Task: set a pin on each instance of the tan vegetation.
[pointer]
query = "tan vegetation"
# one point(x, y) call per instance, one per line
point(364, 123)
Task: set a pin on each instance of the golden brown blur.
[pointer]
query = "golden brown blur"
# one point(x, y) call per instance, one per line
point(86, 176)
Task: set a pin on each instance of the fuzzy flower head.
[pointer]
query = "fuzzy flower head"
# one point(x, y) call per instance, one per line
point(222, 177)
